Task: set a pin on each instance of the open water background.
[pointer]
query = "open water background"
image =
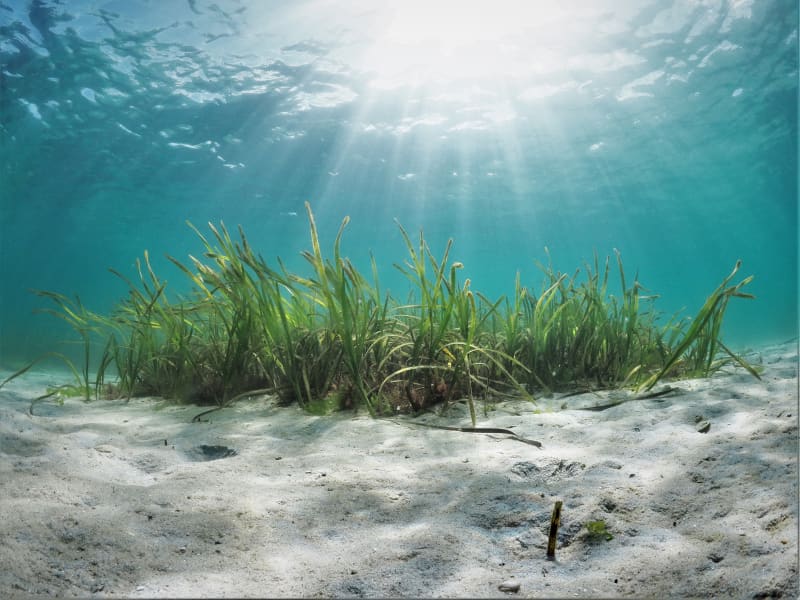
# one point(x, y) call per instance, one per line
point(665, 129)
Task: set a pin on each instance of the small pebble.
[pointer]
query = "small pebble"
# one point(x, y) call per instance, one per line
point(509, 586)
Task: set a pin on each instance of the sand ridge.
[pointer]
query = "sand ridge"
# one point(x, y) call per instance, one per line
point(119, 499)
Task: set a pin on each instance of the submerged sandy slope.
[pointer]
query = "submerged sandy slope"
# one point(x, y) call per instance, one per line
point(112, 498)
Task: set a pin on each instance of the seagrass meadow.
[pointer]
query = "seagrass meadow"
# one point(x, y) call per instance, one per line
point(333, 340)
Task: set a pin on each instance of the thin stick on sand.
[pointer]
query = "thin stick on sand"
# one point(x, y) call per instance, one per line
point(555, 521)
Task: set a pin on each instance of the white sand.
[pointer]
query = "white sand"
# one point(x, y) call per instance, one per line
point(94, 503)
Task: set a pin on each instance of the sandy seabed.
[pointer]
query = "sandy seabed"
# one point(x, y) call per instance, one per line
point(698, 491)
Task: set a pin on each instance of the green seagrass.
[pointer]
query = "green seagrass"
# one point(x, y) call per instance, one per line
point(333, 340)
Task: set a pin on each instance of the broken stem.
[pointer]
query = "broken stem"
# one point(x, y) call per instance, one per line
point(555, 521)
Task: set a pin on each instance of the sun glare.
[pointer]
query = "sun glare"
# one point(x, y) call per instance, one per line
point(422, 41)
point(449, 22)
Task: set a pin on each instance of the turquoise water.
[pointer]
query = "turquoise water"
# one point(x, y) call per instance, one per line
point(667, 130)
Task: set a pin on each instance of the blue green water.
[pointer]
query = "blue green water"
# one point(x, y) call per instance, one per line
point(667, 130)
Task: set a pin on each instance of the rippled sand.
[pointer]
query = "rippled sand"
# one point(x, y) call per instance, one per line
point(698, 490)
